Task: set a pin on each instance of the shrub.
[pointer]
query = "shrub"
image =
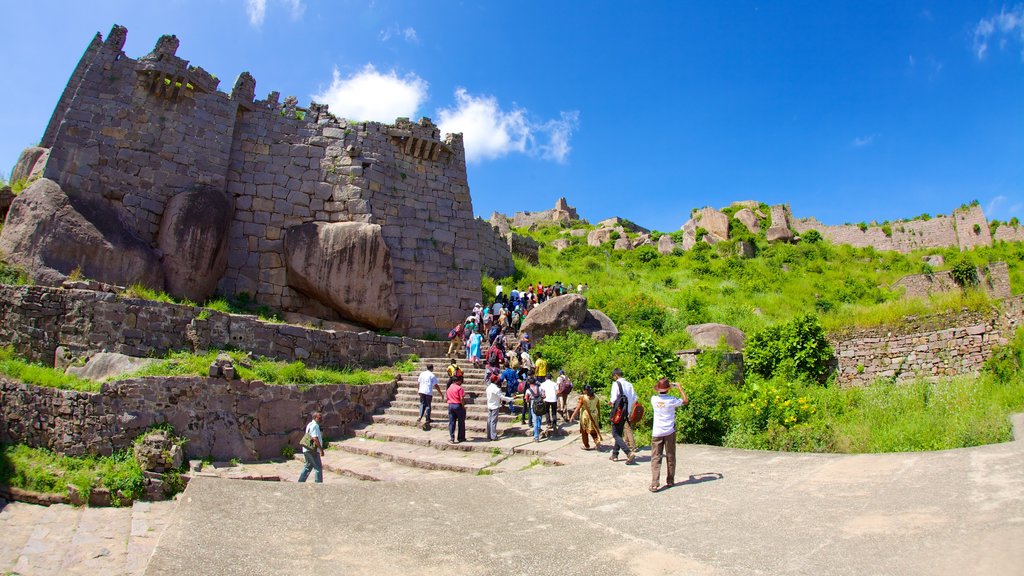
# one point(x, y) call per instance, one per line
point(964, 273)
point(811, 237)
point(713, 395)
point(638, 309)
point(799, 343)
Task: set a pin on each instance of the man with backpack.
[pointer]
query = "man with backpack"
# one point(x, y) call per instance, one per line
point(550, 392)
point(564, 386)
point(494, 400)
point(534, 402)
point(623, 398)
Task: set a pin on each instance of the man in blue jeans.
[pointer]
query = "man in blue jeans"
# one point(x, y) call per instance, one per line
point(456, 411)
point(622, 388)
point(313, 461)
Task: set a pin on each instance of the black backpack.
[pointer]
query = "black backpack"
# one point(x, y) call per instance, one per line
point(540, 407)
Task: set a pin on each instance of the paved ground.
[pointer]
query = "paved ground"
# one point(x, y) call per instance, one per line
point(735, 512)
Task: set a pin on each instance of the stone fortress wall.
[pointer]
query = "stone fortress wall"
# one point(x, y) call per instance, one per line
point(946, 345)
point(36, 320)
point(222, 419)
point(965, 228)
point(994, 279)
point(139, 132)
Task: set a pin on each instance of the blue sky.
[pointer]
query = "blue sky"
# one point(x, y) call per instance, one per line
point(848, 111)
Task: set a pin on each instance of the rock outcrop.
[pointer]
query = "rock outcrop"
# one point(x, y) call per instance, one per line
point(106, 364)
point(748, 218)
point(30, 164)
point(666, 245)
point(710, 335)
point(560, 244)
point(193, 238)
point(559, 314)
point(51, 235)
point(599, 326)
point(780, 230)
point(346, 266)
point(6, 198)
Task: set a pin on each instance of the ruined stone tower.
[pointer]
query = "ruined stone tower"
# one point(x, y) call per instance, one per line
point(140, 132)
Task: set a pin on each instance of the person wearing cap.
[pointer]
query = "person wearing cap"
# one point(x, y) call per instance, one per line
point(494, 399)
point(663, 432)
point(623, 387)
point(588, 409)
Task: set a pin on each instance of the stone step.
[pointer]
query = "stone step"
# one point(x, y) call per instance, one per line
point(374, 469)
point(100, 542)
point(148, 522)
point(473, 427)
point(425, 457)
point(511, 440)
point(472, 413)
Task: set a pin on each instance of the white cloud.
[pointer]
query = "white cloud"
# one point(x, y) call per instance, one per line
point(257, 10)
point(490, 132)
point(999, 208)
point(1005, 28)
point(862, 141)
point(372, 95)
point(395, 31)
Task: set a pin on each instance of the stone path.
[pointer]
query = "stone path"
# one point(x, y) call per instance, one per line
point(956, 512)
point(62, 539)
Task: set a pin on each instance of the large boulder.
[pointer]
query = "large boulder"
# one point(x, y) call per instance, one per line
point(194, 240)
point(6, 198)
point(559, 314)
point(710, 335)
point(715, 222)
point(623, 243)
point(50, 235)
point(346, 266)
point(106, 364)
point(599, 236)
point(30, 164)
point(599, 326)
point(560, 244)
point(747, 217)
point(666, 245)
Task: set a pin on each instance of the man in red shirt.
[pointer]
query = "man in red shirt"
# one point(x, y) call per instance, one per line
point(456, 410)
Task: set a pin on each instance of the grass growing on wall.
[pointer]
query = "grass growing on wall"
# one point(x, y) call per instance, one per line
point(41, 470)
point(271, 371)
point(19, 369)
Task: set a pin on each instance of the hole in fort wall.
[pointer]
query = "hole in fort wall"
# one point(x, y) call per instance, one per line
point(366, 165)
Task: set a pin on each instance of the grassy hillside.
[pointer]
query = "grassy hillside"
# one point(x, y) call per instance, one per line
point(795, 293)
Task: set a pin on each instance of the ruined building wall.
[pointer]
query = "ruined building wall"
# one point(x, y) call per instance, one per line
point(909, 235)
point(495, 257)
point(138, 132)
point(994, 279)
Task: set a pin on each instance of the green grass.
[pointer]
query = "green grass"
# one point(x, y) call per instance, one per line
point(39, 375)
point(41, 470)
point(271, 371)
point(10, 274)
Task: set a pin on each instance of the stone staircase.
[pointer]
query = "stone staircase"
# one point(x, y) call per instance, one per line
point(393, 447)
point(62, 539)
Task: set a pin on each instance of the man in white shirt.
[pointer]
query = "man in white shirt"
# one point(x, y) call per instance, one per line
point(313, 462)
point(663, 432)
point(427, 385)
point(624, 388)
point(494, 398)
point(550, 391)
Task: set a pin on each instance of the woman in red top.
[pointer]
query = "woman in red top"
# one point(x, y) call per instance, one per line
point(456, 410)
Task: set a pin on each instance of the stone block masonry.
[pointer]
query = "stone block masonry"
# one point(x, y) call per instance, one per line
point(966, 228)
point(993, 279)
point(222, 419)
point(138, 132)
point(942, 346)
point(36, 320)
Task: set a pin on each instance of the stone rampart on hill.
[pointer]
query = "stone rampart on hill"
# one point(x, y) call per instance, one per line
point(938, 346)
point(139, 132)
point(994, 279)
point(222, 419)
point(38, 319)
point(966, 228)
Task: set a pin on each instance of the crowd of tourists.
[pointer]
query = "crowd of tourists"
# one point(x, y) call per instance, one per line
point(523, 384)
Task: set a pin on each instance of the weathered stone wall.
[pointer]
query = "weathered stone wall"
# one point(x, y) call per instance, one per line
point(495, 257)
point(140, 131)
point(38, 319)
point(993, 279)
point(937, 346)
point(909, 235)
point(1009, 233)
point(222, 419)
